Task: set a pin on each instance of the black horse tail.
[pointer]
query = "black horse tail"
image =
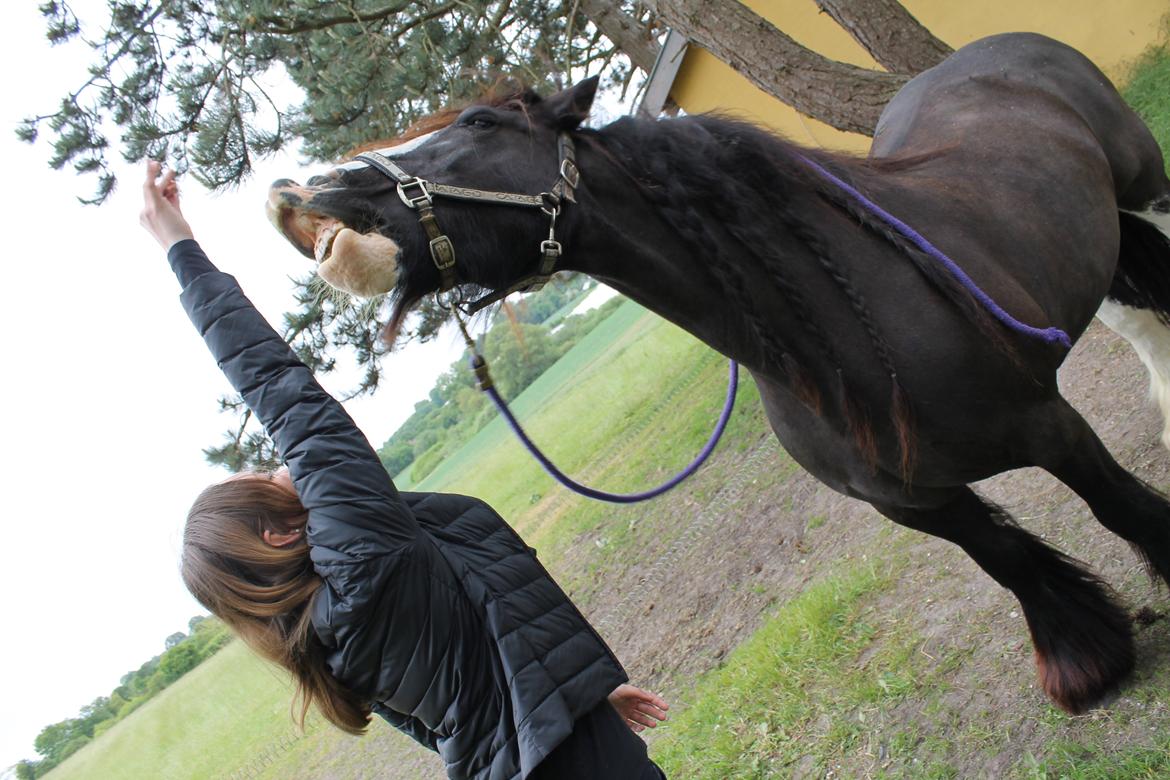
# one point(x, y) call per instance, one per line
point(1142, 278)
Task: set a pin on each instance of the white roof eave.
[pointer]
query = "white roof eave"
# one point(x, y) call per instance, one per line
point(661, 78)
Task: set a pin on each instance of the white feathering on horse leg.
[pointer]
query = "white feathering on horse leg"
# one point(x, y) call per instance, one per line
point(1158, 218)
point(1150, 339)
point(1148, 336)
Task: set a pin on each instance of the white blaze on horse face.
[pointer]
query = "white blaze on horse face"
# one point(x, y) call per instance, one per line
point(391, 151)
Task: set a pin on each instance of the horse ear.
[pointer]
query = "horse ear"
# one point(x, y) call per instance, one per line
point(569, 107)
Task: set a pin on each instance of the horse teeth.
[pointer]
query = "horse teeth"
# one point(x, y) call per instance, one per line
point(324, 243)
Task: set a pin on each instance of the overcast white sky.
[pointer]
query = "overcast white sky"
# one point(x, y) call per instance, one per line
point(108, 397)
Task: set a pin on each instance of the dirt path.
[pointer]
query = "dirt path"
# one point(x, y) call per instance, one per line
point(771, 537)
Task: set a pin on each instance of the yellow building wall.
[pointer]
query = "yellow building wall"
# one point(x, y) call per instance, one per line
point(1110, 32)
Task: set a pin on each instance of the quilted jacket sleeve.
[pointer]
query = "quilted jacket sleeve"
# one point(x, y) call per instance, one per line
point(355, 513)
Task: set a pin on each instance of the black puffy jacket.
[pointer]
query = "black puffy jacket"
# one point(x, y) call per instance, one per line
point(432, 609)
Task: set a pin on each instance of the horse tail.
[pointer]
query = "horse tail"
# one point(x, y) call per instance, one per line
point(1142, 278)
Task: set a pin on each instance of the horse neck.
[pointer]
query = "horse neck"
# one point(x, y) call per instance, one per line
point(665, 226)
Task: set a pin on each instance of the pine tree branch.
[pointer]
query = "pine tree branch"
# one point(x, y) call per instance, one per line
point(281, 26)
point(108, 62)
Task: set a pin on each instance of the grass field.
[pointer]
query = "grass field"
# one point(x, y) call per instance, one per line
point(233, 702)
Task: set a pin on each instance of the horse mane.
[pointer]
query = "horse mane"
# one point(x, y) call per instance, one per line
point(734, 163)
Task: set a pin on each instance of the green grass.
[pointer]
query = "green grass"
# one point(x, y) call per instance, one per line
point(211, 721)
point(1148, 93)
point(609, 336)
point(755, 717)
point(1075, 761)
point(231, 714)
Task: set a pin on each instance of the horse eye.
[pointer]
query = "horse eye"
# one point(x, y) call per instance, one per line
point(482, 121)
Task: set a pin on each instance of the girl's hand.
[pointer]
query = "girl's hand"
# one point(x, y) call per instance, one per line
point(640, 709)
point(161, 215)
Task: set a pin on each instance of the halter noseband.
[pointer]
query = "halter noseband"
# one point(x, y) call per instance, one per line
point(418, 193)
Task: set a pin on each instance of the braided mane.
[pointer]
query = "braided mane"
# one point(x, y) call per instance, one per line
point(751, 181)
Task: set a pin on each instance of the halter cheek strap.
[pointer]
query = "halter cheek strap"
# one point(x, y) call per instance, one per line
point(419, 194)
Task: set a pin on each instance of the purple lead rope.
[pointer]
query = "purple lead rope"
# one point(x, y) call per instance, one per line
point(623, 498)
point(1050, 335)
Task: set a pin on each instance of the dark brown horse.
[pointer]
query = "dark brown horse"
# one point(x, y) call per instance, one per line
point(881, 372)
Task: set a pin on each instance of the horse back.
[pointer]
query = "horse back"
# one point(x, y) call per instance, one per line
point(1018, 88)
point(1015, 153)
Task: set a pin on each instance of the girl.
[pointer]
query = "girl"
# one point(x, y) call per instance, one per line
point(424, 608)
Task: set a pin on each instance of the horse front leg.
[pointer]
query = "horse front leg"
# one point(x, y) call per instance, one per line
point(1081, 634)
point(1120, 501)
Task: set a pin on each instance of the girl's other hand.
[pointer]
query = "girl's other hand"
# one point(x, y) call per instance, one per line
point(640, 709)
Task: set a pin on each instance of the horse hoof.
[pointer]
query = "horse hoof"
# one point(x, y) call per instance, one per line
point(1080, 676)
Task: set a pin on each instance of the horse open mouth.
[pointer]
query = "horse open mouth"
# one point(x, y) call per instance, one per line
point(362, 264)
point(323, 245)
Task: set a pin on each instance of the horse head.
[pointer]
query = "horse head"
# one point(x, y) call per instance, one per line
point(365, 222)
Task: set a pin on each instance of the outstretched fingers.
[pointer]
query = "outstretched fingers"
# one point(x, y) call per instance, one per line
point(639, 708)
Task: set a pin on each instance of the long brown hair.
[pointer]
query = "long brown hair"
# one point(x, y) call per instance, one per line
point(265, 593)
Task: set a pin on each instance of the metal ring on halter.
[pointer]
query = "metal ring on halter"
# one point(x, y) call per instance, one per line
point(449, 299)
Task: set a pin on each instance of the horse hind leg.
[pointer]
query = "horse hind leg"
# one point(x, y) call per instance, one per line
point(1081, 634)
point(1150, 339)
point(1138, 304)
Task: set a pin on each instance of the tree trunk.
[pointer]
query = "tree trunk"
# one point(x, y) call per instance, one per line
point(840, 95)
point(890, 34)
point(624, 31)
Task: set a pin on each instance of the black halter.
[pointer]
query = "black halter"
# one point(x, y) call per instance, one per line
point(419, 194)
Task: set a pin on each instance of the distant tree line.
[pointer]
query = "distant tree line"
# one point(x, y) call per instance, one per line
point(183, 653)
point(522, 342)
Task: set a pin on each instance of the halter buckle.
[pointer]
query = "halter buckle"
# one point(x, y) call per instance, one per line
point(442, 252)
point(424, 198)
point(570, 173)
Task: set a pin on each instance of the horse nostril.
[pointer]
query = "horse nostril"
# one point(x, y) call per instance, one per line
point(285, 197)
